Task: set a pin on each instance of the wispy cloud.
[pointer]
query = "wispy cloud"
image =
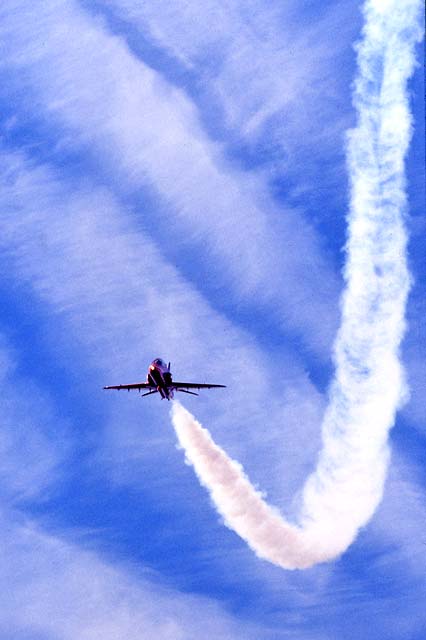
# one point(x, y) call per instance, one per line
point(53, 587)
point(70, 263)
point(33, 437)
point(100, 97)
point(261, 48)
point(94, 270)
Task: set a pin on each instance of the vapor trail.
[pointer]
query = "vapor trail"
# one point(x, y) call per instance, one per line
point(343, 492)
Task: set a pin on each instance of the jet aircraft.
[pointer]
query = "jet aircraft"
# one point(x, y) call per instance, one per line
point(159, 380)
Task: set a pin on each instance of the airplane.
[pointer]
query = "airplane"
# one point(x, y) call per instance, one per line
point(159, 380)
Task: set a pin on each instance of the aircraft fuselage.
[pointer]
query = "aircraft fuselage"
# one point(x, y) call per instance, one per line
point(159, 376)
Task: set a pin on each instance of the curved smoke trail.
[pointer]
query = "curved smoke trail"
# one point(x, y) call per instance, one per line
point(347, 485)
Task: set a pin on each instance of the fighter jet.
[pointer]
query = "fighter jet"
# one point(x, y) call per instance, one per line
point(159, 380)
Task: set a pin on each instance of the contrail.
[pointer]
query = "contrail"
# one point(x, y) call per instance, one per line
point(368, 386)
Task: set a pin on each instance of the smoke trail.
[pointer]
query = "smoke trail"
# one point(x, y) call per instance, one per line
point(343, 492)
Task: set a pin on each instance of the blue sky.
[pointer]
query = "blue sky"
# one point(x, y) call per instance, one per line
point(174, 183)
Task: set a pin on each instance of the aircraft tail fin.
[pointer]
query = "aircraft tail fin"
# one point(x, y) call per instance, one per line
point(149, 393)
point(191, 393)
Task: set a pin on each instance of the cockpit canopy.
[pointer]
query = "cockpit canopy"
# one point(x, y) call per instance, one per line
point(160, 363)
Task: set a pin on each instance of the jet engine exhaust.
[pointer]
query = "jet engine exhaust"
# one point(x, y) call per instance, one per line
point(368, 387)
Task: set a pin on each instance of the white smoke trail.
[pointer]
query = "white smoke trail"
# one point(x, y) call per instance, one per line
point(343, 492)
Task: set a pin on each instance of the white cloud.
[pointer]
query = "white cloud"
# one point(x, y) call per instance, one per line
point(124, 303)
point(33, 437)
point(53, 587)
point(255, 59)
point(147, 133)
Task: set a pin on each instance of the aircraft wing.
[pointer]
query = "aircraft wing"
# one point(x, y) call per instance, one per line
point(135, 385)
point(194, 385)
